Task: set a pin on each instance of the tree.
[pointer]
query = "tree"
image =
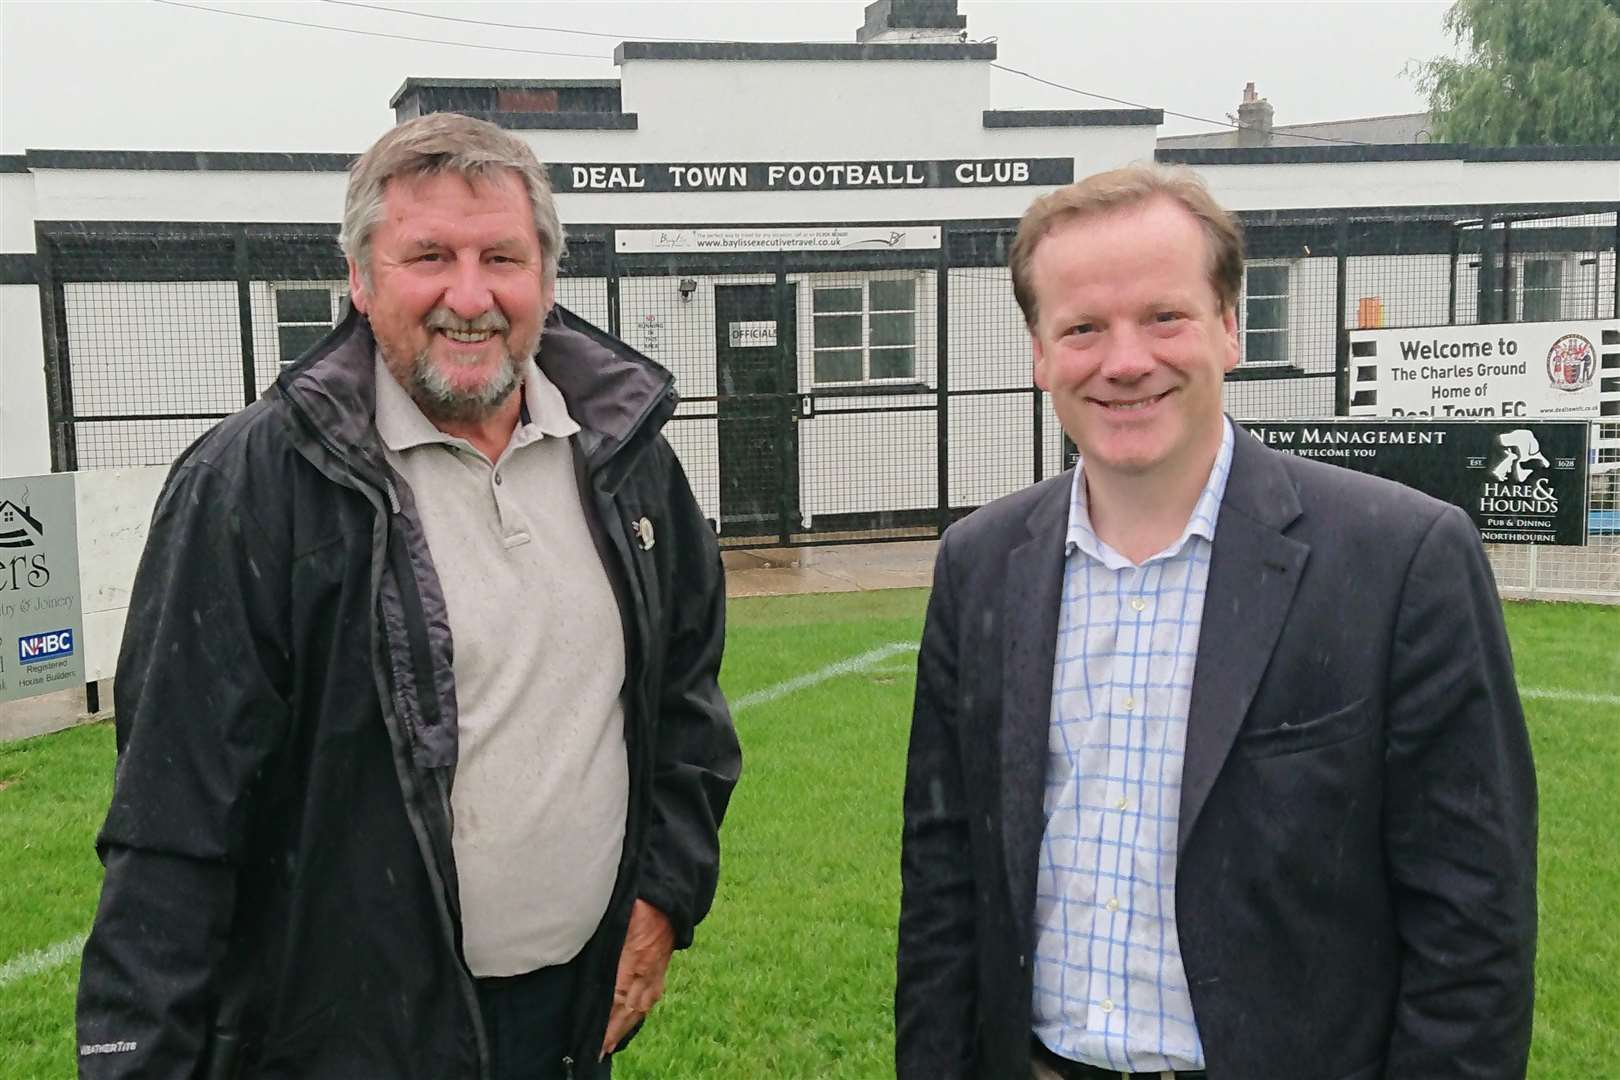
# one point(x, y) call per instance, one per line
point(1537, 72)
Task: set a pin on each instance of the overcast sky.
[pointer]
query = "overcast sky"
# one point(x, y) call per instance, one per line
point(145, 75)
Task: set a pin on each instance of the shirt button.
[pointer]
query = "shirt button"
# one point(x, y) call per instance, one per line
point(1108, 1005)
point(1112, 905)
point(1123, 803)
point(1138, 604)
point(1129, 703)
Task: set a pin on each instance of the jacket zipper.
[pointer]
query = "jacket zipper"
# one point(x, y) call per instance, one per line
point(469, 992)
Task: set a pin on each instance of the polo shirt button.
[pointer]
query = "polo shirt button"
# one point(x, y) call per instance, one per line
point(497, 478)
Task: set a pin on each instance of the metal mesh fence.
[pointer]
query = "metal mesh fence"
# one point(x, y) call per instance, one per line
point(830, 396)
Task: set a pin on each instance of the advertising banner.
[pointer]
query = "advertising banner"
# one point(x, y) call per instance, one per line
point(807, 238)
point(41, 623)
point(1505, 370)
point(1520, 482)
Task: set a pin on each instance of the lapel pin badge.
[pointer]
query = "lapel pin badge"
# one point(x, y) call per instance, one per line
point(644, 533)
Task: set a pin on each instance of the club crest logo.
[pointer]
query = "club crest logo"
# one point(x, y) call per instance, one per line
point(1571, 363)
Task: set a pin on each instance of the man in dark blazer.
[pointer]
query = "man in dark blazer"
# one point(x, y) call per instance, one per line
point(1335, 874)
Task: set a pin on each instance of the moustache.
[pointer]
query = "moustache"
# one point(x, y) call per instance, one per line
point(442, 318)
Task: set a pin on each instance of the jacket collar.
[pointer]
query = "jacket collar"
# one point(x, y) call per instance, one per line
point(613, 392)
point(1254, 571)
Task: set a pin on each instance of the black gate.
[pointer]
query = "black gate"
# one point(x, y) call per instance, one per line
point(755, 343)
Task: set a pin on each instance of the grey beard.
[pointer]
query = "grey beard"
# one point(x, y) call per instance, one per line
point(439, 400)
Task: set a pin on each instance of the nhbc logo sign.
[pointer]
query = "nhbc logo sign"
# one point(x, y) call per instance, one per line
point(52, 645)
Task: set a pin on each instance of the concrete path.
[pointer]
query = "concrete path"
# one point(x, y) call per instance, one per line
point(754, 572)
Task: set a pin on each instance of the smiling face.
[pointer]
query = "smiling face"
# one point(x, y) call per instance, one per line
point(1131, 341)
point(455, 290)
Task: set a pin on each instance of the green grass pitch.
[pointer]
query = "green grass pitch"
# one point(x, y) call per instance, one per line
point(793, 973)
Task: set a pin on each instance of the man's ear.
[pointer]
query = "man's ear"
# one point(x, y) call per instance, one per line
point(358, 292)
point(1041, 379)
point(1229, 346)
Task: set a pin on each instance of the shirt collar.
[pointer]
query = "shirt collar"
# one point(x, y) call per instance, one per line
point(1081, 537)
point(402, 426)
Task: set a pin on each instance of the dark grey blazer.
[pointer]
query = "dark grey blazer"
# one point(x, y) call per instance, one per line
point(1355, 887)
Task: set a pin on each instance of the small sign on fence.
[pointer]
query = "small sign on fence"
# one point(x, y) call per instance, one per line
point(41, 625)
point(752, 335)
point(1522, 482)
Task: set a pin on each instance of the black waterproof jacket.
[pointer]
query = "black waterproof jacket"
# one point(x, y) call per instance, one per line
point(280, 895)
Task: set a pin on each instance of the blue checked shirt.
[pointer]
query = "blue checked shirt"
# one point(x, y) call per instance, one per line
point(1109, 986)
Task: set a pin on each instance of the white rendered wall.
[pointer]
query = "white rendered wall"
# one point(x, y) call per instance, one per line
point(114, 508)
point(25, 441)
point(1409, 183)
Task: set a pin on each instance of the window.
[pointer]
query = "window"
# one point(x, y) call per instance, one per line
point(1543, 289)
point(304, 313)
point(1265, 314)
point(865, 331)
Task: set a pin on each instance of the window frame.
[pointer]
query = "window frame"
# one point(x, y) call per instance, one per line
point(336, 292)
point(867, 311)
point(1286, 331)
point(1554, 292)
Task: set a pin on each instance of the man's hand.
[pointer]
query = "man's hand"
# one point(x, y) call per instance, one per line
point(647, 946)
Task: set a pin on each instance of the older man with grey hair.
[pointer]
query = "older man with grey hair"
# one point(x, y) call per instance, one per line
point(421, 754)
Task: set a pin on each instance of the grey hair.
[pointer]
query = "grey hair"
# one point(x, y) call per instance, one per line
point(438, 144)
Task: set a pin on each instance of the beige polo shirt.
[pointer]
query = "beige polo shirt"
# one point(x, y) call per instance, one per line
point(542, 783)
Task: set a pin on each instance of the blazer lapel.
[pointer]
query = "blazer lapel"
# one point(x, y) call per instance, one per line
point(1253, 573)
point(1034, 588)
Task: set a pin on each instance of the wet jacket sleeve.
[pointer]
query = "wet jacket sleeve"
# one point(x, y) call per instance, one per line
point(696, 759)
point(199, 713)
point(1460, 808)
point(936, 986)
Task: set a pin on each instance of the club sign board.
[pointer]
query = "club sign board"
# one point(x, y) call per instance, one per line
point(41, 620)
point(1522, 482)
point(1504, 370)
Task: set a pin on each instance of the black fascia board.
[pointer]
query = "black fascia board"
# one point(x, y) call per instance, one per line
point(557, 121)
point(807, 50)
point(1054, 118)
point(1303, 155)
point(13, 163)
point(189, 160)
point(1299, 155)
point(18, 268)
point(413, 83)
point(1543, 153)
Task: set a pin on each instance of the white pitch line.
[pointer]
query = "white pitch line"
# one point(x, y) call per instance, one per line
point(862, 662)
point(41, 960)
point(1569, 695)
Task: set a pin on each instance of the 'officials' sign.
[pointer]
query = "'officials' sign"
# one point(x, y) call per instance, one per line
point(1507, 370)
point(41, 627)
point(1521, 482)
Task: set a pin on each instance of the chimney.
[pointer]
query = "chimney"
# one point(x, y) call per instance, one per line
point(1254, 119)
point(912, 22)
